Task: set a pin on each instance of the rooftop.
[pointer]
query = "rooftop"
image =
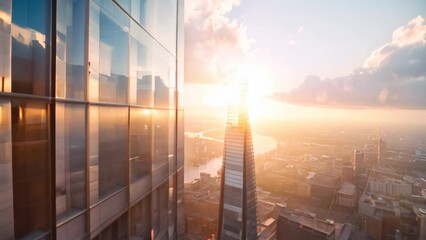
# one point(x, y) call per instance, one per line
point(347, 188)
point(308, 222)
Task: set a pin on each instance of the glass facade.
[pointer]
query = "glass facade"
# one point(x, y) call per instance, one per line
point(238, 214)
point(91, 119)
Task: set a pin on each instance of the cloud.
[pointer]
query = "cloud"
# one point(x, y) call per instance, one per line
point(300, 29)
point(393, 75)
point(214, 43)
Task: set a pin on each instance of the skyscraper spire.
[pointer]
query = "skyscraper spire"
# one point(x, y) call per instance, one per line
point(238, 216)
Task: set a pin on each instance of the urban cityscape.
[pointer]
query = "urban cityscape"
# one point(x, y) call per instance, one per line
point(213, 119)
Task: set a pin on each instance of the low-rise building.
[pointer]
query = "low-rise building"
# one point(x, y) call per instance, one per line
point(346, 196)
point(390, 187)
point(297, 226)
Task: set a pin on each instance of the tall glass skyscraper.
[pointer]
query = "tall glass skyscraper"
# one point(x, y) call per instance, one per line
point(91, 119)
point(238, 203)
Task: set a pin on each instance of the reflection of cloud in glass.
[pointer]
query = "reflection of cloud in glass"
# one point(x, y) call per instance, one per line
point(105, 53)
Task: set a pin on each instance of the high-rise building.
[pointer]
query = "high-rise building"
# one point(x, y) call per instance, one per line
point(357, 161)
point(91, 120)
point(238, 213)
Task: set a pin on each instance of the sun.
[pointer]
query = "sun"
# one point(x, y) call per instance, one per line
point(257, 79)
point(220, 96)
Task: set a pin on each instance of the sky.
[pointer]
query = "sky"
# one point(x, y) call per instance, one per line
point(306, 58)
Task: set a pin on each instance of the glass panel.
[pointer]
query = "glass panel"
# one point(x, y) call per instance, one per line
point(160, 211)
point(180, 139)
point(94, 15)
point(112, 149)
point(140, 219)
point(172, 207)
point(114, 60)
point(94, 154)
point(180, 85)
point(5, 40)
point(70, 49)
point(180, 223)
point(6, 189)
point(140, 144)
point(116, 230)
point(70, 159)
point(31, 175)
point(157, 17)
point(141, 69)
point(30, 46)
point(172, 142)
point(164, 79)
point(160, 167)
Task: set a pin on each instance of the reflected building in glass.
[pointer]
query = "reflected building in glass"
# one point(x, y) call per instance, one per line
point(91, 119)
point(238, 203)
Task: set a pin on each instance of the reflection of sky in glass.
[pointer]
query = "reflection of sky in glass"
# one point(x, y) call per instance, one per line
point(33, 14)
point(113, 36)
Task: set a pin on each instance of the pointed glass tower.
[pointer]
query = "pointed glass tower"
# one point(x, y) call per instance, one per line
point(238, 216)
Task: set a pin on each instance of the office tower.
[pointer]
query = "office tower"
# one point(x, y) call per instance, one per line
point(238, 216)
point(357, 161)
point(297, 226)
point(91, 121)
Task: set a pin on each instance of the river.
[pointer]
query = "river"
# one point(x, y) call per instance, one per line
point(261, 144)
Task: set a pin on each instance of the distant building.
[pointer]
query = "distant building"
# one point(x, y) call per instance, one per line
point(303, 189)
point(238, 215)
point(382, 216)
point(357, 161)
point(296, 226)
point(421, 216)
point(390, 187)
point(324, 186)
point(268, 229)
point(346, 196)
point(347, 172)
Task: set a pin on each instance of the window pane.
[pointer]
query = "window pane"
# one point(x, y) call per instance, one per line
point(70, 49)
point(31, 177)
point(140, 219)
point(160, 169)
point(30, 46)
point(70, 159)
point(112, 149)
point(5, 46)
point(180, 140)
point(172, 206)
point(180, 224)
point(172, 141)
point(157, 17)
point(160, 211)
point(140, 144)
point(141, 69)
point(6, 190)
point(164, 79)
point(113, 59)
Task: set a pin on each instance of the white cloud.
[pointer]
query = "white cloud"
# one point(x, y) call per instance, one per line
point(394, 75)
point(412, 33)
point(215, 44)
